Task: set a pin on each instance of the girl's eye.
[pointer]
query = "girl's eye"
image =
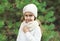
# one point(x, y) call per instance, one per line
point(30, 15)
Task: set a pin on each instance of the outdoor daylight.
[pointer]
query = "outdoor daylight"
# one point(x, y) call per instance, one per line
point(29, 20)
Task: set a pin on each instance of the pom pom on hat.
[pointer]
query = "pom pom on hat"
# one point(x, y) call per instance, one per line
point(30, 8)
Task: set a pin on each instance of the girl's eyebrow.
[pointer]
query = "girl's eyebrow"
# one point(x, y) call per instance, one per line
point(30, 15)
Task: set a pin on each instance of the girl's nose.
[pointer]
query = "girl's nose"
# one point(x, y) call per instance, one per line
point(28, 17)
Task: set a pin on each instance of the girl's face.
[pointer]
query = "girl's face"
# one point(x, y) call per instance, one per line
point(28, 16)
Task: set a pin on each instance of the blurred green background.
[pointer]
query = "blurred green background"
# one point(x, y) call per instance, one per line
point(48, 15)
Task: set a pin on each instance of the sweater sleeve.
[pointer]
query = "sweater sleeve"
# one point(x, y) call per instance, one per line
point(20, 36)
point(36, 37)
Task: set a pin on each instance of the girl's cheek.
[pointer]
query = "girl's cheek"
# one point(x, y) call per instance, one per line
point(32, 18)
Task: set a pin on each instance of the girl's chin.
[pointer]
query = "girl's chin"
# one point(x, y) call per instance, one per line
point(28, 21)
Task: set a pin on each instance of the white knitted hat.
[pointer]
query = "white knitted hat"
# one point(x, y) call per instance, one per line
point(30, 8)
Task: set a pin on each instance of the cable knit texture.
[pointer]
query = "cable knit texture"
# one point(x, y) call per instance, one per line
point(33, 35)
point(31, 8)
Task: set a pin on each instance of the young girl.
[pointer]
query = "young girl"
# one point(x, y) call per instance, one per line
point(29, 29)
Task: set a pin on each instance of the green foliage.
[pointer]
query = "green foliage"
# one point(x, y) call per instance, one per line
point(49, 17)
point(46, 16)
point(1, 9)
point(2, 37)
point(50, 36)
point(49, 27)
point(41, 6)
point(1, 23)
point(19, 4)
point(10, 19)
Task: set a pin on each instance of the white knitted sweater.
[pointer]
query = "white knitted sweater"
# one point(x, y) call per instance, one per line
point(34, 34)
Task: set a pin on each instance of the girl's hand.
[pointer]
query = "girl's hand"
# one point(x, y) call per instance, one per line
point(25, 29)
